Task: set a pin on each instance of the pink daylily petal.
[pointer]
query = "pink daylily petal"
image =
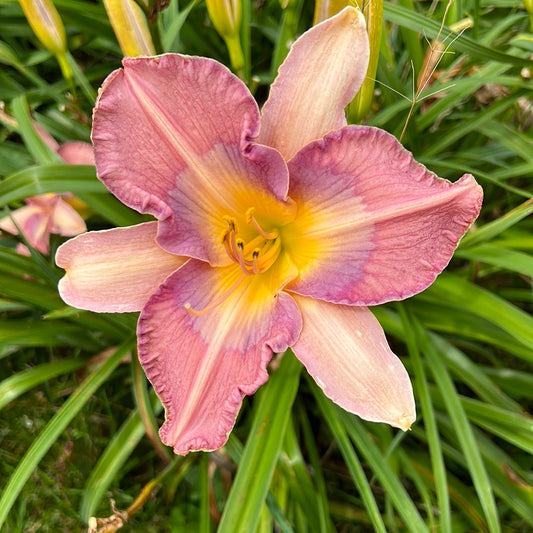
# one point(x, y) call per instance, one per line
point(76, 153)
point(45, 136)
point(114, 270)
point(202, 366)
point(321, 74)
point(44, 214)
point(180, 106)
point(34, 222)
point(373, 224)
point(346, 352)
point(201, 117)
point(65, 220)
point(18, 216)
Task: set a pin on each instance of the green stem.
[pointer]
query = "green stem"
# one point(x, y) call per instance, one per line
point(236, 54)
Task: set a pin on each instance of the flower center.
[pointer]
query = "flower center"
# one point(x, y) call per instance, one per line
point(256, 255)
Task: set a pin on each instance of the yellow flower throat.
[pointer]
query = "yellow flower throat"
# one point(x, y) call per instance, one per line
point(254, 256)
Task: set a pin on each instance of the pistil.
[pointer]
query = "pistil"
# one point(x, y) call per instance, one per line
point(250, 219)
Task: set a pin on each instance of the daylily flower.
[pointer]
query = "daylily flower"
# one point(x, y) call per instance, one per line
point(50, 213)
point(267, 237)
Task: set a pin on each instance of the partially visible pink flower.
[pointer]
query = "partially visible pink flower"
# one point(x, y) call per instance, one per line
point(50, 213)
point(272, 231)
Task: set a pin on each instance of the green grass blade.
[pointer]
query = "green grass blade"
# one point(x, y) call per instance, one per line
point(34, 143)
point(250, 487)
point(451, 319)
point(430, 424)
point(463, 431)
point(517, 382)
point(508, 479)
point(431, 28)
point(500, 257)
point(494, 228)
point(49, 178)
point(108, 207)
point(357, 473)
point(309, 440)
point(424, 488)
point(470, 373)
point(277, 514)
point(383, 472)
point(446, 140)
point(13, 386)
point(297, 478)
point(481, 302)
point(55, 427)
point(81, 79)
point(29, 291)
point(505, 475)
point(515, 428)
point(110, 463)
point(205, 521)
point(30, 332)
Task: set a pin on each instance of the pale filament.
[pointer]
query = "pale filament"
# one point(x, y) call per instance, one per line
point(244, 264)
point(222, 298)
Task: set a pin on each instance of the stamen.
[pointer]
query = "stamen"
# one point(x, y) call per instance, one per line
point(231, 222)
point(250, 219)
point(234, 251)
point(228, 238)
point(243, 263)
point(249, 215)
point(229, 244)
point(255, 255)
point(221, 299)
point(268, 255)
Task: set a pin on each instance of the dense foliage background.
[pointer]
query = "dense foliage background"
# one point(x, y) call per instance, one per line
point(78, 419)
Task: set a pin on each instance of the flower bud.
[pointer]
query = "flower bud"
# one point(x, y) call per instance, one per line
point(226, 18)
point(130, 27)
point(373, 12)
point(46, 23)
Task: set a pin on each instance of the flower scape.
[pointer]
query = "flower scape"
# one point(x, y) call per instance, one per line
point(274, 230)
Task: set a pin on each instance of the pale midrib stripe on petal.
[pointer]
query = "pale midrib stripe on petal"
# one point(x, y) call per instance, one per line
point(367, 218)
point(156, 115)
point(216, 345)
point(234, 316)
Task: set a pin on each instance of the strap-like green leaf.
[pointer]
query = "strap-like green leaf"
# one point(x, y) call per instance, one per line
point(55, 427)
point(431, 28)
point(250, 487)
